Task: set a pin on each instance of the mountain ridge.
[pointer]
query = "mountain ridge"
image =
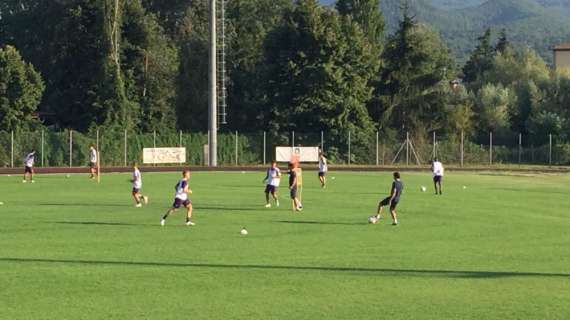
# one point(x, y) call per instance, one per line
point(539, 24)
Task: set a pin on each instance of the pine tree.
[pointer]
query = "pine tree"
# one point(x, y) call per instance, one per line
point(318, 74)
point(414, 78)
point(481, 59)
point(503, 42)
point(367, 14)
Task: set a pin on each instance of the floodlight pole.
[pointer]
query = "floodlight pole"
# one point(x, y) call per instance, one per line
point(213, 108)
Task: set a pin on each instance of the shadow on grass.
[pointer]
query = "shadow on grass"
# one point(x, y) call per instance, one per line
point(95, 223)
point(217, 208)
point(368, 271)
point(323, 223)
point(85, 205)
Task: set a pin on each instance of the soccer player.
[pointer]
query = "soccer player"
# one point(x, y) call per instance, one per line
point(273, 178)
point(93, 161)
point(29, 167)
point(181, 199)
point(392, 200)
point(323, 168)
point(437, 170)
point(294, 178)
point(137, 185)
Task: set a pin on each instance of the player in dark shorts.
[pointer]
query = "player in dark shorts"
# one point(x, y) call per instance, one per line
point(181, 199)
point(392, 200)
point(272, 180)
point(437, 171)
point(323, 169)
point(294, 187)
point(137, 185)
point(29, 167)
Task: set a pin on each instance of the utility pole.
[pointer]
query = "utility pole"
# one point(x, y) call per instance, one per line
point(213, 112)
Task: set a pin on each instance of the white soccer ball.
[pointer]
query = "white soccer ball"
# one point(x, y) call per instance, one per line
point(372, 220)
point(464, 187)
point(1, 203)
point(333, 178)
point(423, 189)
point(243, 232)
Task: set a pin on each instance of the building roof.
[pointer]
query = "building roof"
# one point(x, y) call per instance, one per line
point(562, 47)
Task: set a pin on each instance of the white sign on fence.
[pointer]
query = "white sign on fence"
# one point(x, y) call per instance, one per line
point(164, 155)
point(301, 154)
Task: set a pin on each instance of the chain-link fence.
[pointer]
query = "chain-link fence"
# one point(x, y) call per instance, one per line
point(121, 148)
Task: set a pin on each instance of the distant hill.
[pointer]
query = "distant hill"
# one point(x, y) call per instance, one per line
point(455, 4)
point(539, 24)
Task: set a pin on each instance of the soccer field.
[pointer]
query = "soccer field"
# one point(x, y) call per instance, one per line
point(74, 249)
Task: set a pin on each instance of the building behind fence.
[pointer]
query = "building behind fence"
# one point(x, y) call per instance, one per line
point(71, 148)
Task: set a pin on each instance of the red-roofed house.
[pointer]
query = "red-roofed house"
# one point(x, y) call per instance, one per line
point(562, 56)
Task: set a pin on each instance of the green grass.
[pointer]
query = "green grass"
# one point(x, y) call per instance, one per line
point(73, 249)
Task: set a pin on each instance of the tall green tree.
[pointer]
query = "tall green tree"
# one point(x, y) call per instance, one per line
point(150, 67)
point(21, 89)
point(170, 13)
point(318, 74)
point(249, 22)
point(492, 107)
point(414, 79)
point(69, 54)
point(481, 59)
point(503, 42)
point(367, 14)
point(527, 76)
point(192, 79)
point(460, 112)
point(118, 110)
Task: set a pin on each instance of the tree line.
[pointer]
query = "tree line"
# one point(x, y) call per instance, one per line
point(297, 66)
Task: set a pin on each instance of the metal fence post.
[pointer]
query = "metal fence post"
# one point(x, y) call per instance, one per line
point(550, 149)
point(462, 146)
point(491, 148)
point(154, 147)
point(520, 148)
point(236, 148)
point(322, 141)
point(97, 146)
point(292, 138)
point(434, 150)
point(70, 148)
point(377, 147)
point(264, 147)
point(42, 147)
point(12, 149)
point(125, 147)
point(407, 148)
point(348, 147)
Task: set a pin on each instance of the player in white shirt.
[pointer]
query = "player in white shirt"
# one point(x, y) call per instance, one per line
point(437, 171)
point(137, 186)
point(272, 179)
point(93, 161)
point(29, 167)
point(323, 169)
point(181, 199)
